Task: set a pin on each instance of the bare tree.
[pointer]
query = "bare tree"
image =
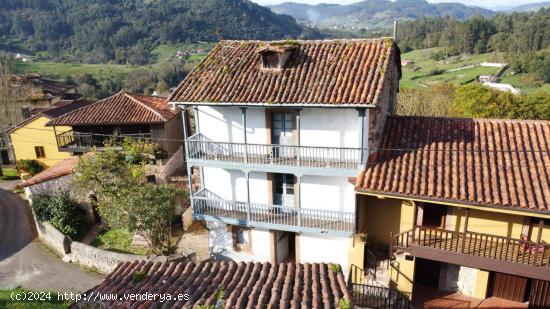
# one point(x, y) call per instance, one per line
point(14, 92)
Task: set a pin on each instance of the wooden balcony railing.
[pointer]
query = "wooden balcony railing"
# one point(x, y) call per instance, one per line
point(474, 244)
point(207, 206)
point(77, 141)
point(333, 158)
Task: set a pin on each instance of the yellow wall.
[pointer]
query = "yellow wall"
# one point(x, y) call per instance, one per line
point(545, 233)
point(402, 275)
point(482, 284)
point(35, 133)
point(382, 216)
point(493, 223)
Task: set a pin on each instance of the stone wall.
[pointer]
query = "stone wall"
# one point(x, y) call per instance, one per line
point(103, 261)
point(56, 240)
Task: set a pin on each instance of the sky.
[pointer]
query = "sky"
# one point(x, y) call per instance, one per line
point(483, 3)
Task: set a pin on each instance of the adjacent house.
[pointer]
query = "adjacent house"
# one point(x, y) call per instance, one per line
point(460, 205)
point(119, 116)
point(278, 130)
point(33, 140)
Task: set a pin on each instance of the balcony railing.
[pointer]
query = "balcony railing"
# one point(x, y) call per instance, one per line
point(272, 157)
point(77, 141)
point(498, 248)
point(206, 206)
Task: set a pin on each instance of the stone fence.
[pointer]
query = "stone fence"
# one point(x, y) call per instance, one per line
point(102, 261)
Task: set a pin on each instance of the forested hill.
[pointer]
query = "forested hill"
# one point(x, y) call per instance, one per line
point(127, 30)
point(371, 13)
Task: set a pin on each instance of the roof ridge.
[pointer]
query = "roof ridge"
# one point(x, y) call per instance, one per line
point(466, 118)
point(145, 105)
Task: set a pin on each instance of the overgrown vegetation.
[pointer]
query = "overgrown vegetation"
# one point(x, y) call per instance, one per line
point(30, 167)
point(124, 198)
point(473, 100)
point(8, 174)
point(63, 212)
point(118, 240)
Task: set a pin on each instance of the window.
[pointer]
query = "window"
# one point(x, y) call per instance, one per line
point(26, 112)
point(39, 151)
point(284, 189)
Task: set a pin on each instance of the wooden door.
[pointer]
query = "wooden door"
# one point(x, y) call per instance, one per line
point(433, 215)
point(509, 287)
point(540, 294)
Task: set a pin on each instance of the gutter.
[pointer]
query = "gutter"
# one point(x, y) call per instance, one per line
point(479, 206)
point(277, 105)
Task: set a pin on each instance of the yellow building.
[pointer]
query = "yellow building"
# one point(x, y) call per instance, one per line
point(462, 207)
point(33, 140)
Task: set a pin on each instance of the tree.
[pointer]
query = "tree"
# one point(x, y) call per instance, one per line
point(117, 180)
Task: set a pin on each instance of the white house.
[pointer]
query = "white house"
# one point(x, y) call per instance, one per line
point(278, 130)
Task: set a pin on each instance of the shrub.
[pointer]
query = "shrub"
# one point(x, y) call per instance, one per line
point(62, 212)
point(32, 167)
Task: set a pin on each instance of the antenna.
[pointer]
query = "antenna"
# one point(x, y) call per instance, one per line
point(395, 31)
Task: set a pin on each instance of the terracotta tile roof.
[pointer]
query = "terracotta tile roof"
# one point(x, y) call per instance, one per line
point(245, 285)
point(60, 169)
point(318, 72)
point(51, 113)
point(121, 108)
point(488, 162)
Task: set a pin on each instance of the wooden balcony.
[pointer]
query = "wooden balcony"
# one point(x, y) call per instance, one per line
point(478, 250)
point(207, 206)
point(71, 141)
point(274, 158)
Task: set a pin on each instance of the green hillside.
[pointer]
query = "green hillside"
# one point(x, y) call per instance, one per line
point(426, 70)
point(126, 31)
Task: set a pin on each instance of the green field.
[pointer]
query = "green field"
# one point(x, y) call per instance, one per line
point(61, 70)
point(7, 302)
point(423, 71)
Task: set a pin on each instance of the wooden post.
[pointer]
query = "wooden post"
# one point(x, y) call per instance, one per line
point(465, 229)
point(243, 111)
point(539, 236)
point(415, 218)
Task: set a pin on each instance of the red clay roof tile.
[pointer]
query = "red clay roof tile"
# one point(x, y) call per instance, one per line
point(318, 72)
point(490, 162)
point(244, 285)
point(121, 108)
point(60, 169)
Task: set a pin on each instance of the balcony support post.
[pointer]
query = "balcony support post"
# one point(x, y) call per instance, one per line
point(243, 113)
point(415, 218)
point(465, 230)
point(361, 134)
point(247, 176)
point(539, 237)
point(190, 183)
point(299, 185)
point(198, 131)
point(185, 134)
point(298, 131)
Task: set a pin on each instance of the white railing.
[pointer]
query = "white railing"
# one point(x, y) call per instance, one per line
point(201, 148)
point(208, 206)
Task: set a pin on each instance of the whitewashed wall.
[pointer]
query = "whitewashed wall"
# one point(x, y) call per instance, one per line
point(316, 249)
point(327, 193)
point(231, 185)
point(319, 126)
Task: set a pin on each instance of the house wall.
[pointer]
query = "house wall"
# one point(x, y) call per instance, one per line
point(173, 132)
point(319, 127)
point(35, 133)
point(321, 248)
point(383, 216)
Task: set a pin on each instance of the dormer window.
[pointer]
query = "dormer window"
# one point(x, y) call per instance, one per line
point(275, 56)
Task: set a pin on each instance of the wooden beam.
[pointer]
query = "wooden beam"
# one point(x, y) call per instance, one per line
point(465, 229)
point(541, 227)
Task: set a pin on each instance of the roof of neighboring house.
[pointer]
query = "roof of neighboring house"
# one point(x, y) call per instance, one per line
point(51, 113)
point(62, 168)
point(487, 162)
point(121, 108)
point(250, 285)
point(329, 72)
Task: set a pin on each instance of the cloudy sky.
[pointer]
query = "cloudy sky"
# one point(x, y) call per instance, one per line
point(486, 3)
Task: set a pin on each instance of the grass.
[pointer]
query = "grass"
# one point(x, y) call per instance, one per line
point(9, 174)
point(7, 302)
point(61, 70)
point(418, 75)
point(117, 240)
